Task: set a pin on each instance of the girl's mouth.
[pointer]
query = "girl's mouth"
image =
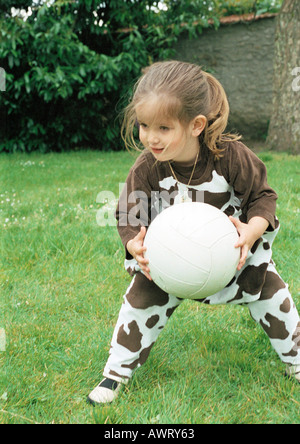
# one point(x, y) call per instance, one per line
point(157, 150)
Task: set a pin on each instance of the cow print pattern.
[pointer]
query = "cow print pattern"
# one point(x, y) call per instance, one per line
point(147, 308)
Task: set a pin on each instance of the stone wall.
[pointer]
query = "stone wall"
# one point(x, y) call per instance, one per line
point(240, 55)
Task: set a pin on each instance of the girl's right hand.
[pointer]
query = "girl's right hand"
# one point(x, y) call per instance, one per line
point(136, 248)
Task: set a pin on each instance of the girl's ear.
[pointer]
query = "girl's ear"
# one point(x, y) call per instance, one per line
point(198, 125)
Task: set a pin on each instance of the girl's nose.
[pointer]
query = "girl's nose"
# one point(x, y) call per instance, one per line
point(153, 139)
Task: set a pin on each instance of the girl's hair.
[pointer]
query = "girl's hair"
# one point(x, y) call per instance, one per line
point(187, 91)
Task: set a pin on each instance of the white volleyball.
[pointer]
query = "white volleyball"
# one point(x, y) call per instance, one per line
point(190, 248)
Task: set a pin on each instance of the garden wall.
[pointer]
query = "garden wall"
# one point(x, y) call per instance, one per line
point(240, 54)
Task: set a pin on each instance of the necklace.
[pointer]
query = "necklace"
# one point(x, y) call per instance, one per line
point(185, 196)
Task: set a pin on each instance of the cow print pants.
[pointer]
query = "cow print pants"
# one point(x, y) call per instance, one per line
point(146, 310)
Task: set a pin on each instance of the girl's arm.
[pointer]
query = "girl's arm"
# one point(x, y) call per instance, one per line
point(136, 248)
point(247, 174)
point(249, 233)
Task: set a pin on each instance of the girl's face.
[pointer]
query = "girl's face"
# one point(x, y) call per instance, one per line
point(166, 138)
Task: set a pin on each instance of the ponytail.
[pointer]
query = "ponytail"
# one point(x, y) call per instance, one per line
point(217, 118)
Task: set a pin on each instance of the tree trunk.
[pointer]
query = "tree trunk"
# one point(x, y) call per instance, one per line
point(284, 129)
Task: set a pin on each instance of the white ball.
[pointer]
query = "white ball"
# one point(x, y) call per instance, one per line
point(190, 248)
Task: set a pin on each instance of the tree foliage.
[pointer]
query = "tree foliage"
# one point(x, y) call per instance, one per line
point(69, 68)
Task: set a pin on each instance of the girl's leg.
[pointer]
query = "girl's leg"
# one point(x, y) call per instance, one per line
point(143, 315)
point(276, 312)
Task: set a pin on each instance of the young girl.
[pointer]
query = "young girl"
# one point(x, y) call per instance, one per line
point(182, 112)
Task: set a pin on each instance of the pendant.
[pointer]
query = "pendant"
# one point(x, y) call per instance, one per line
point(183, 195)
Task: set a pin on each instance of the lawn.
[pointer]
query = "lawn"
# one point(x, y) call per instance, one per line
point(62, 282)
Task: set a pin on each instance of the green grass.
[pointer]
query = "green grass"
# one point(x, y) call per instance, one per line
point(61, 286)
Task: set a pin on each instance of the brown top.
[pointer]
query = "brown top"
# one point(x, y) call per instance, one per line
point(236, 184)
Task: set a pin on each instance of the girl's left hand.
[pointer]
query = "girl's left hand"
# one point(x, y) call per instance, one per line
point(248, 236)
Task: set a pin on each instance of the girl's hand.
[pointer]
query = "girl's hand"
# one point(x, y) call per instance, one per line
point(249, 233)
point(136, 248)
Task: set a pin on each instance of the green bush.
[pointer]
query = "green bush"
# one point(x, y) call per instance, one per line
point(70, 67)
point(60, 93)
point(229, 7)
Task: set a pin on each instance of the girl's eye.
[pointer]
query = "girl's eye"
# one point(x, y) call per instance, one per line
point(164, 128)
point(143, 125)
